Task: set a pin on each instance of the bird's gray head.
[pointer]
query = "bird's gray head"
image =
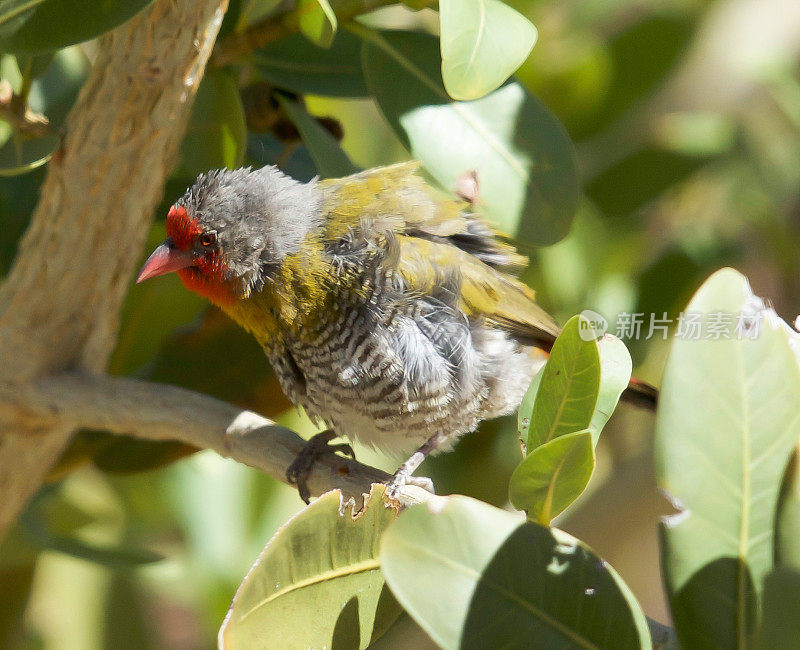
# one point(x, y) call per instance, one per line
point(231, 226)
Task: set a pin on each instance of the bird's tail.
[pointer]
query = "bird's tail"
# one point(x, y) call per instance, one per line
point(641, 394)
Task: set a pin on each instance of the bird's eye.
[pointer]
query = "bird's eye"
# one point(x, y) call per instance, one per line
point(208, 239)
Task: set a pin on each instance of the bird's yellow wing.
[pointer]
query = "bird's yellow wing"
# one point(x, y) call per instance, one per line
point(438, 243)
point(397, 199)
point(498, 298)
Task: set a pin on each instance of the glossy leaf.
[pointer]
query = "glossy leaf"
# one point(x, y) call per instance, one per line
point(562, 415)
point(126, 455)
point(569, 387)
point(317, 21)
point(318, 579)
point(328, 155)
point(522, 155)
point(615, 374)
point(728, 418)
point(217, 132)
point(297, 65)
point(258, 9)
point(17, 587)
point(32, 26)
point(483, 42)
point(53, 533)
point(781, 623)
point(20, 154)
point(18, 197)
point(475, 576)
point(526, 408)
point(55, 89)
point(552, 476)
point(787, 525)
point(221, 359)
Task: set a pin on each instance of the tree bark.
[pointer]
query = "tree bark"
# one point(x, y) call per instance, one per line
point(60, 305)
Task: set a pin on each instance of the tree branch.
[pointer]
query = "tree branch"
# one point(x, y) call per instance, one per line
point(60, 304)
point(160, 412)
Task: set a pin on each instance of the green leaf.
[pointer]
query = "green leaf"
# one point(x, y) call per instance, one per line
point(239, 373)
point(297, 65)
point(552, 476)
point(522, 155)
point(33, 26)
point(781, 623)
point(787, 525)
point(217, 132)
point(562, 414)
point(55, 89)
point(20, 154)
point(124, 455)
point(526, 408)
point(483, 42)
point(727, 421)
point(615, 374)
point(17, 589)
point(43, 529)
point(475, 576)
point(317, 21)
point(319, 577)
point(328, 155)
point(569, 386)
point(256, 10)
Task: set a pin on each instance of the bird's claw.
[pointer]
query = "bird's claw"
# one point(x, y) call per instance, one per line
point(402, 478)
point(315, 448)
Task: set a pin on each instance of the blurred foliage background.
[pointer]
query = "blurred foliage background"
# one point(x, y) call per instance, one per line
point(685, 115)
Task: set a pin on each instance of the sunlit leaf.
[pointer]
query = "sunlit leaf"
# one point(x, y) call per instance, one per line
point(728, 417)
point(562, 415)
point(552, 476)
point(569, 386)
point(483, 42)
point(317, 21)
point(522, 155)
point(615, 374)
point(21, 154)
point(787, 525)
point(781, 624)
point(318, 580)
point(475, 576)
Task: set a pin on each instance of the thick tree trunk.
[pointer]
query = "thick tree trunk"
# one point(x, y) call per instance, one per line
point(59, 307)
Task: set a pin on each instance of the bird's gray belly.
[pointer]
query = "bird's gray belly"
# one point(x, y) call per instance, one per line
point(390, 379)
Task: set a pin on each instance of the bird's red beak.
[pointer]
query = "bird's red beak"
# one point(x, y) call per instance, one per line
point(164, 259)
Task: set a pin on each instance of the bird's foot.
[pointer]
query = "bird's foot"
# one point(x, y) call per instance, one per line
point(315, 448)
point(402, 478)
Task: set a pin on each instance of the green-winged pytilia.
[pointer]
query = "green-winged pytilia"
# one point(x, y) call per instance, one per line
point(390, 312)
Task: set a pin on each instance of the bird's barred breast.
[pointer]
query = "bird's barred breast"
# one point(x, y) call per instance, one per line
point(391, 369)
point(389, 374)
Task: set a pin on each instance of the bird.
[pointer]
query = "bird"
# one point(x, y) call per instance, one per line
point(390, 311)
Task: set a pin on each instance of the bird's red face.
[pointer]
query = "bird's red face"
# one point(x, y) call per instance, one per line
point(194, 253)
